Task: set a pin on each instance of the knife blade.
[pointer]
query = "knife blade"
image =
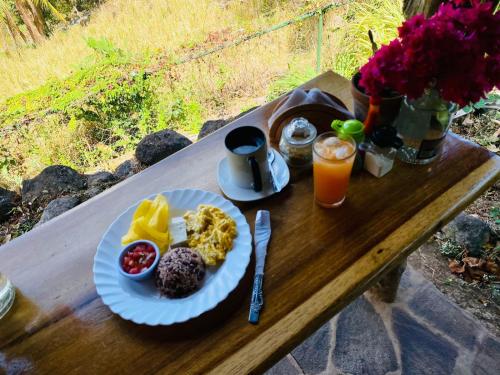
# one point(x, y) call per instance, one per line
point(272, 175)
point(262, 235)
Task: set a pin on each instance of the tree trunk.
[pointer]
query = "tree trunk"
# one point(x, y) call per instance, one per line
point(427, 7)
point(13, 29)
point(28, 18)
point(40, 23)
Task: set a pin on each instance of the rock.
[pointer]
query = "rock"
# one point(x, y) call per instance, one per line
point(312, 354)
point(210, 126)
point(283, 367)
point(57, 207)
point(100, 178)
point(468, 231)
point(362, 343)
point(93, 191)
point(126, 169)
point(422, 352)
point(51, 183)
point(7, 203)
point(241, 114)
point(487, 361)
point(434, 307)
point(157, 146)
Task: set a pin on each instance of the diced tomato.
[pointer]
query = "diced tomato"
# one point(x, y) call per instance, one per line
point(139, 259)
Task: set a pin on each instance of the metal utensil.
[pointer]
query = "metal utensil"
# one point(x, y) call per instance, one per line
point(270, 156)
point(261, 239)
point(270, 159)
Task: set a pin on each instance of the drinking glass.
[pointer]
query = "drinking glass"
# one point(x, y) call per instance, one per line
point(7, 295)
point(333, 157)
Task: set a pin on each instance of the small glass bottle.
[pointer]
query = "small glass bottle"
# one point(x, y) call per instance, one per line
point(381, 151)
point(7, 295)
point(296, 143)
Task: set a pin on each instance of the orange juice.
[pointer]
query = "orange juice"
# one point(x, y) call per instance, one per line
point(332, 164)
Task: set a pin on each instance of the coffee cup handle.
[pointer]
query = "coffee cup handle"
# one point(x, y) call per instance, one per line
point(257, 179)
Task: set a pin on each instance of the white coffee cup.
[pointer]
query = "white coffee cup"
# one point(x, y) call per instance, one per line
point(246, 149)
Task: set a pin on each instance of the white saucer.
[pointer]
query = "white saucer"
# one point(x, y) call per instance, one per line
point(237, 193)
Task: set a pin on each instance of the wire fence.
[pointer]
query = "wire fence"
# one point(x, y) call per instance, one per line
point(320, 12)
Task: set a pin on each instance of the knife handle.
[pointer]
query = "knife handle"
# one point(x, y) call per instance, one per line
point(257, 299)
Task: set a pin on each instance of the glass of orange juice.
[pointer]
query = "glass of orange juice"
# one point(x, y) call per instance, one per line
point(333, 156)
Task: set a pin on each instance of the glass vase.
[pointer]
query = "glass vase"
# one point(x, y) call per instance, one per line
point(422, 124)
point(7, 295)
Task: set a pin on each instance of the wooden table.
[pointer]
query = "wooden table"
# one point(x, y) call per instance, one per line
point(319, 260)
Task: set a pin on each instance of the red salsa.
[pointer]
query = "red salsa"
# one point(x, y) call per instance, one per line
point(139, 258)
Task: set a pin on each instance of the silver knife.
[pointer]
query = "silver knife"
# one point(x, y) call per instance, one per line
point(272, 175)
point(261, 239)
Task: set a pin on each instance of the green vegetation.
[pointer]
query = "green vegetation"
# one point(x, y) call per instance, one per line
point(495, 215)
point(351, 42)
point(451, 250)
point(87, 95)
point(95, 115)
point(289, 81)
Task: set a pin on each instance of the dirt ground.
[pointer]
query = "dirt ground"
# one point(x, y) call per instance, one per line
point(480, 299)
point(475, 298)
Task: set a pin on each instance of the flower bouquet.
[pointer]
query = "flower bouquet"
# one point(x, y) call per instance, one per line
point(451, 57)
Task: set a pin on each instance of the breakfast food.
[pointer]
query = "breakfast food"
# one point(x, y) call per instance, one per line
point(180, 272)
point(178, 232)
point(211, 232)
point(138, 258)
point(150, 222)
point(334, 148)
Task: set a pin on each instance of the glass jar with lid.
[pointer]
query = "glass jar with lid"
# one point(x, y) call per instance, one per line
point(296, 143)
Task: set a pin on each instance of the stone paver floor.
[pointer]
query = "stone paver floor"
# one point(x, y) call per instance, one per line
point(422, 332)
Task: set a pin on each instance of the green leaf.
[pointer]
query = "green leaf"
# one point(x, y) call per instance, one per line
point(480, 104)
point(468, 109)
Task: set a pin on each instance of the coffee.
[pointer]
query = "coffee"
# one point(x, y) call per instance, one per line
point(245, 149)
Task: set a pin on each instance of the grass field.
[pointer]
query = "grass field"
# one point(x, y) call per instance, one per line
point(86, 96)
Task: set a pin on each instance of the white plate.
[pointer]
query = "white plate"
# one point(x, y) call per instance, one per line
point(140, 302)
point(237, 193)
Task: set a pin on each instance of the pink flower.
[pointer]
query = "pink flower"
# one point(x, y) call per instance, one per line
point(456, 51)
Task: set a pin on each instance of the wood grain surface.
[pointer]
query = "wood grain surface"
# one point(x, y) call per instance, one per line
point(318, 261)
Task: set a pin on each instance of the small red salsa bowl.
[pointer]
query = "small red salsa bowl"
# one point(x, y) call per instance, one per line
point(138, 260)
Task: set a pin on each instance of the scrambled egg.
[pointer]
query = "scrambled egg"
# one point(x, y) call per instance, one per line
point(211, 232)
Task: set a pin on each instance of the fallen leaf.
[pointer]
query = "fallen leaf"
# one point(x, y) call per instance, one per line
point(473, 262)
point(468, 121)
point(476, 273)
point(467, 277)
point(483, 301)
point(492, 267)
point(455, 266)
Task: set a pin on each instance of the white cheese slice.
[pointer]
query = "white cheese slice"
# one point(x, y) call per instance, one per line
point(178, 233)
